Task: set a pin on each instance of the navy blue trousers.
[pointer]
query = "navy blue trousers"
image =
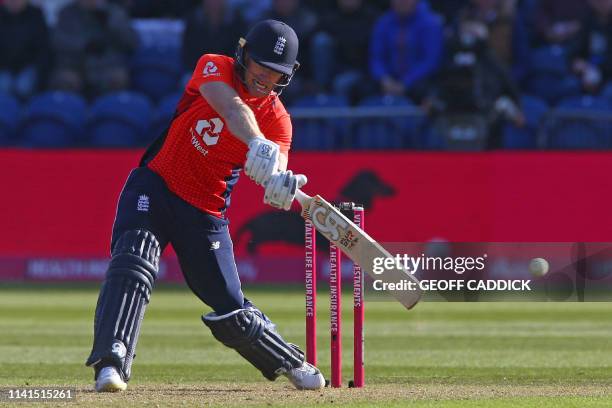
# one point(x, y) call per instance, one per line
point(201, 241)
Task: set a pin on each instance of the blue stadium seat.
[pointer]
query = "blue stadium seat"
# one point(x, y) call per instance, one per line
point(534, 110)
point(54, 119)
point(163, 113)
point(9, 118)
point(319, 134)
point(606, 93)
point(120, 119)
point(585, 102)
point(158, 32)
point(568, 132)
point(549, 75)
point(550, 59)
point(385, 133)
point(156, 71)
point(553, 88)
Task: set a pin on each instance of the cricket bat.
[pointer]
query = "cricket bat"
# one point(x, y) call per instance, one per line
point(356, 244)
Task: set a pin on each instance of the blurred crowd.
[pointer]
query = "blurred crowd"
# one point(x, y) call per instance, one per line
point(447, 56)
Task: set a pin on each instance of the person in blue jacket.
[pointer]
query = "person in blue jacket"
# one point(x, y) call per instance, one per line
point(406, 48)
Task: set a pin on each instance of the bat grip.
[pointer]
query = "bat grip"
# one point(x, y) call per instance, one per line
point(302, 198)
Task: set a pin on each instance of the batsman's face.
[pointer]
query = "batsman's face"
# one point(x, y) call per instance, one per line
point(260, 81)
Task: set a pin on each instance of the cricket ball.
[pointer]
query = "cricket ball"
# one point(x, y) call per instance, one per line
point(538, 267)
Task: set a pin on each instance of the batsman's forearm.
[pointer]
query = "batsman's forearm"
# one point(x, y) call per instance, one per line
point(283, 161)
point(242, 123)
point(238, 117)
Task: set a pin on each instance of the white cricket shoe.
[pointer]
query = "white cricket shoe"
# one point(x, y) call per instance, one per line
point(306, 377)
point(109, 380)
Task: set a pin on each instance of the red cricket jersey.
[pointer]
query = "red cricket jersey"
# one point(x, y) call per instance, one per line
point(200, 159)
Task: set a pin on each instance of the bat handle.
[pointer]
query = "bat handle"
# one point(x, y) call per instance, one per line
point(302, 198)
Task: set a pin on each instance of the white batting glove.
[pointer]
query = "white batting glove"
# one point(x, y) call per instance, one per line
point(281, 188)
point(262, 160)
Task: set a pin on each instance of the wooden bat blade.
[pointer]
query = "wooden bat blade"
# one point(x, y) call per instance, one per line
point(356, 244)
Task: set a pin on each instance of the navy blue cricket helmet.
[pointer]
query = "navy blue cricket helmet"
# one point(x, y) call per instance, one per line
point(274, 45)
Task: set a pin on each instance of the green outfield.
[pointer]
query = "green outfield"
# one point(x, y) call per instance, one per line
point(438, 355)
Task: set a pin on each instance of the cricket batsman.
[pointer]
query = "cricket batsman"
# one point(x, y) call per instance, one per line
point(229, 118)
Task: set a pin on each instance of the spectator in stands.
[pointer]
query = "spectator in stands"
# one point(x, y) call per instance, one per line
point(380, 5)
point(251, 10)
point(304, 22)
point(23, 47)
point(320, 7)
point(406, 48)
point(340, 48)
point(93, 41)
point(473, 81)
point(211, 28)
point(157, 8)
point(50, 9)
point(592, 61)
point(293, 13)
point(448, 9)
point(558, 21)
point(497, 19)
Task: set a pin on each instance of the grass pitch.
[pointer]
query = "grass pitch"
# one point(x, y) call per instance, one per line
point(438, 355)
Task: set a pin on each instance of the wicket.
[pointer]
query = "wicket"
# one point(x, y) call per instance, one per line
point(335, 300)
